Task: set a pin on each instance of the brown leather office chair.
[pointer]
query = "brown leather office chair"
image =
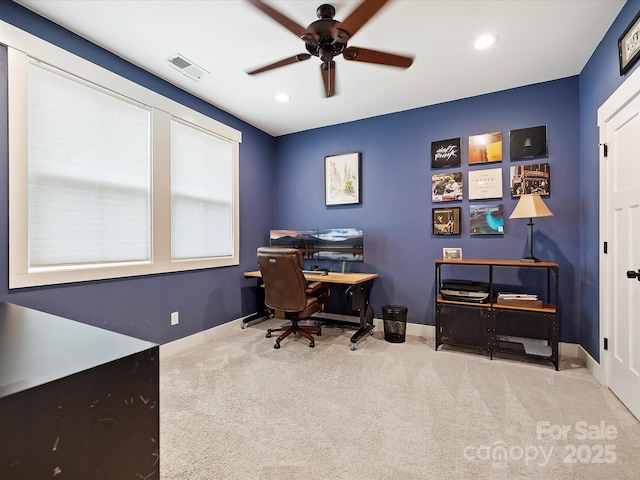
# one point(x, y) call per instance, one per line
point(287, 293)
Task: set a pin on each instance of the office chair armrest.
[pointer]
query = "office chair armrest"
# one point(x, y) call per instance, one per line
point(314, 288)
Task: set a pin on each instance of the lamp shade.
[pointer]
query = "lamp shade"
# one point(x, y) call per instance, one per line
point(530, 206)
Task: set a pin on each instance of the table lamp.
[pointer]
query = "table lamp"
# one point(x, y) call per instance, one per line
point(530, 206)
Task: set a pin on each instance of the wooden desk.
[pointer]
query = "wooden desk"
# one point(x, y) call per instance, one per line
point(362, 283)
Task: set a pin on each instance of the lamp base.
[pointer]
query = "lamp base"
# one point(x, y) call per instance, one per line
point(530, 259)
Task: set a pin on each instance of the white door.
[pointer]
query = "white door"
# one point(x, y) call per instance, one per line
point(621, 293)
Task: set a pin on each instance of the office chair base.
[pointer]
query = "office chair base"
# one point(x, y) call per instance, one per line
point(305, 331)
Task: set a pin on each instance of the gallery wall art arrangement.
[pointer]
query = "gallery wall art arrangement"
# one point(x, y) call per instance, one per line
point(448, 184)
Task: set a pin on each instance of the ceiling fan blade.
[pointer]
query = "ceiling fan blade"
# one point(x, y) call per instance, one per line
point(298, 30)
point(361, 15)
point(287, 61)
point(375, 56)
point(329, 78)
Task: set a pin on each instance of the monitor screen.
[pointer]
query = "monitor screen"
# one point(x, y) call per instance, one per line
point(333, 244)
point(340, 245)
point(303, 239)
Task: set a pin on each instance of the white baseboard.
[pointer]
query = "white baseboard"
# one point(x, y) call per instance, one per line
point(596, 369)
point(571, 350)
point(185, 343)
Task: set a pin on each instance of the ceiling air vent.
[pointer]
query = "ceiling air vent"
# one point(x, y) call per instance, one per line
point(186, 67)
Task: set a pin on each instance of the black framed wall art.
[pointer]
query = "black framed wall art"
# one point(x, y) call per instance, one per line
point(446, 221)
point(445, 153)
point(528, 142)
point(629, 45)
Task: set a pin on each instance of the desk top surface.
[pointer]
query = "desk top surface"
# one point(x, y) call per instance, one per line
point(37, 347)
point(494, 262)
point(331, 277)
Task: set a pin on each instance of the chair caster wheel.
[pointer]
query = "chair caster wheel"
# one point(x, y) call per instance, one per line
point(312, 344)
point(268, 334)
point(354, 347)
point(319, 333)
point(276, 345)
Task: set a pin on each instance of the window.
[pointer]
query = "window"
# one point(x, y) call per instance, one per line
point(89, 174)
point(201, 194)
point(108, 179)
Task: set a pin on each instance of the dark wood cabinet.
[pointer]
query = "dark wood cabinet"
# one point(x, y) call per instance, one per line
point(495, 328)
point(76, 401)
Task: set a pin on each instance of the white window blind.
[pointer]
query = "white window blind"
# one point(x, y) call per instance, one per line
point(94, 190)
point(201, 193)
point(89, 173)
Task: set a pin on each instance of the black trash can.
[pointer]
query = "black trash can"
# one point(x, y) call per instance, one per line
point(395, 323)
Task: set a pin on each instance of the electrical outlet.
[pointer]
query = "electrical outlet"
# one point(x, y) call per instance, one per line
point(175, 318)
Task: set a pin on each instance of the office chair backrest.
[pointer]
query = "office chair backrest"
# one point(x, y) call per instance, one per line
point(284, 283)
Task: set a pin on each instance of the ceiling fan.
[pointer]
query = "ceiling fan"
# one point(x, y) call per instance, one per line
point(327, 38)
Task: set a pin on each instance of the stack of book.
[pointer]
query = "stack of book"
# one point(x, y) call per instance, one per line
point(519, 300)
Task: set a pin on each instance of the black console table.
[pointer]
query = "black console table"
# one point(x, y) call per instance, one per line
point(76, 401)
point(494, 327)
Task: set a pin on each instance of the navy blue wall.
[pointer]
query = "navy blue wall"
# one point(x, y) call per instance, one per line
point(396, 177)
point(142, 306)
point(598, 80)
point(281, 185)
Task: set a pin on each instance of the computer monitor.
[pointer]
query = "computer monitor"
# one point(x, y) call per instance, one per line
point(329, 244)
point(303, 239)
point(340, 245)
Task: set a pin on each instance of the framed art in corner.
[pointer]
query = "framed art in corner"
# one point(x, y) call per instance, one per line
point(446, 221)
point(629, 45)
point(342, 179)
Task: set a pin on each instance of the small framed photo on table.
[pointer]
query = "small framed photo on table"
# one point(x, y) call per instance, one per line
point(452, 253)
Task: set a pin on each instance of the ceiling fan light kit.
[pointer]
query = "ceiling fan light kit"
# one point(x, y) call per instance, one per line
point(327, 38)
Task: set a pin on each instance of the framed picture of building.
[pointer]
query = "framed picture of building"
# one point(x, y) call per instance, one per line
point(534, 178)
point(446, 221)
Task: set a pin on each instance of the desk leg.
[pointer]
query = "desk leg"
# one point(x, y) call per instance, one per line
point(360, 302)
point(262, 312)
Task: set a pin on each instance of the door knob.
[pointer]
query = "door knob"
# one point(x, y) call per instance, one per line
point(632, 274)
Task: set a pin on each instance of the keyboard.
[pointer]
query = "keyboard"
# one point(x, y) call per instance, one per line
point(315, 272)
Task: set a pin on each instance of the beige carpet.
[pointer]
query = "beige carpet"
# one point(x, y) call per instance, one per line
point(239, 409)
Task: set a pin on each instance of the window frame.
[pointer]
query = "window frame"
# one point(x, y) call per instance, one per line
point(20, 47)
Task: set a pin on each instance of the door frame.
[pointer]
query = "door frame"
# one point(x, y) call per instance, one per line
point(620, 98)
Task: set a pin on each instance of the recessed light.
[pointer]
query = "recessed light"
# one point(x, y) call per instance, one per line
point(485, 41)
point(283, 97)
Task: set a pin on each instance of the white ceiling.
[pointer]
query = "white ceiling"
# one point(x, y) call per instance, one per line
point(539, 40)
